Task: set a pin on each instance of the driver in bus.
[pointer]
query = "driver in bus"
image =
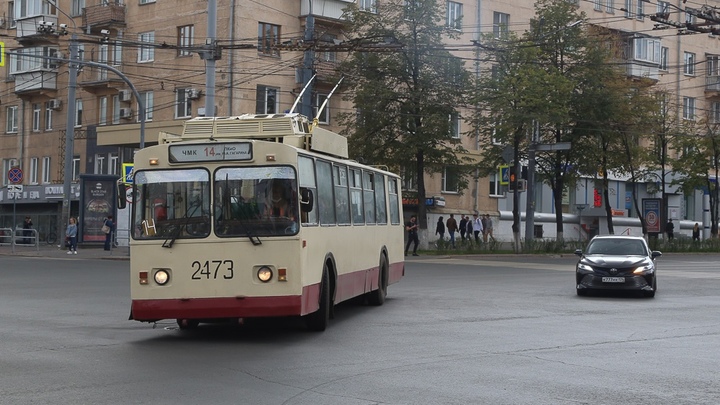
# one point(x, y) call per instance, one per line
point(278, 204)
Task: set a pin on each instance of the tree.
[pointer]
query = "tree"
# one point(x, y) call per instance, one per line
point(406, 96)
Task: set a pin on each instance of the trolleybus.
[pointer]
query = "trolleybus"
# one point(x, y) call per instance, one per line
point(259, 216)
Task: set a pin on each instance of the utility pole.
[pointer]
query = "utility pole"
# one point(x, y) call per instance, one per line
point(210, 55)
point(69, 133)
point(309, 57)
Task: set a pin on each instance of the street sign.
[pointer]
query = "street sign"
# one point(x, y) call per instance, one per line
point(127, 169)
point(504, 174)
point(15, 175)
point(508, 154)
point(15, 188)
point(2, 54)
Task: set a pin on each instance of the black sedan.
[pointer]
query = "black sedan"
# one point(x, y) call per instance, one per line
point(616, 263)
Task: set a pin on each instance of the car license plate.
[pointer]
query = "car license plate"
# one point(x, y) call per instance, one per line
point(613, 279)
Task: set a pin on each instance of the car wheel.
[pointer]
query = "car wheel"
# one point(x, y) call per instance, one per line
point(582, 293)
point(651, 294)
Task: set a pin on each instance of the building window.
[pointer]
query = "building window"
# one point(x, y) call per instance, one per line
point(77, 7)
point(117, 51)
point(324, 117)
point(183, 104)
point(663, 7)
point(102, 114)
point(597, 5)
point(691, 15)
point(408, 177)
point(36, 115)
point(99, 164)
point(501, 24)
point(689, 67)
point(34, 61)
point(647, 50)
point(46, 169)
point(368, 5)
point(11, 14)
point(78, 112)
point(664, 55)
point(11, 120)
point(610, 6)
point(116, 109)
point(713, 65)
point(147, 98)
point(113, 163)
point(76, 168)
point(328, 56)
point(48, 116)
point(454, 15)
point(186, 34)
point(715, 112)
point(640, 10)
point(689, 108)
point(147, 1)
point(268, 37)
point(146, 53)
point(629, 8)
point(454, 120)
point(494, 186)
point(267, 101)
point(33, 170)
point(450, 180)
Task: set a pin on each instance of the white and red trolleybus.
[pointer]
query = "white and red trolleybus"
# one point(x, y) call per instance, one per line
point(259, 216)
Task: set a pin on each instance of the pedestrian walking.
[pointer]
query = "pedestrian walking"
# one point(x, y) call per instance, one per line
point(696, 232)
point(108, 227)
point(483, 220)
point(477, 227)
point(489, 227)
point(71, 235)
point(670, 229)
point(463, 226)
point(440, 228)
point(469, 226)
point(27, 233)
point(452, 227)
point(411, 227)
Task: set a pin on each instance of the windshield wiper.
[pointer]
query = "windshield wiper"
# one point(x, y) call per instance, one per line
point(188, 216)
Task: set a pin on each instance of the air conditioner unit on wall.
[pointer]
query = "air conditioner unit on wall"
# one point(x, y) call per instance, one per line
point(125, 113)
point(54, 104)
point(193, 94)
point(125, 95)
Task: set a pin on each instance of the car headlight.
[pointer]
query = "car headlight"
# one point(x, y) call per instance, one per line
point(645, 268)
point(584, 267)
point(161, 277)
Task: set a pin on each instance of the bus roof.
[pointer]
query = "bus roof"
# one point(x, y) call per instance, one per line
point(292, 129)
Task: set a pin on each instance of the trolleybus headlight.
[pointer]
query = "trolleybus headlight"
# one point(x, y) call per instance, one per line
point(162, 277)
point(264, 274)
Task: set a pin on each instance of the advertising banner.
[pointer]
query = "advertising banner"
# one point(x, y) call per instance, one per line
point(97, 201)
point(651, 213)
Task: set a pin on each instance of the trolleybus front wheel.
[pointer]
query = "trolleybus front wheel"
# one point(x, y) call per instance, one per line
point(186, 324)
point(377, 297)
point(318, 320)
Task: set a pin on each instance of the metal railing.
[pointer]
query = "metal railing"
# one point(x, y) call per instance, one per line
point(19, 237)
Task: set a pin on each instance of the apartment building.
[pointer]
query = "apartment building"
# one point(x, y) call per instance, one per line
point(157, 45)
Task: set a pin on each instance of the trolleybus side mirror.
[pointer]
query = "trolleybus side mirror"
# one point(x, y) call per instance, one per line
point(121, 196)
point(306, 199)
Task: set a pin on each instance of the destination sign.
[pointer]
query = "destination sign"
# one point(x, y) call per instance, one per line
point(210, 152)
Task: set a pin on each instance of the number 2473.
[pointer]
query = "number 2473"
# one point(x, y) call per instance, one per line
point(212, 269)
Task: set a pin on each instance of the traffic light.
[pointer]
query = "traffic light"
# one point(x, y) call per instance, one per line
point(512, 182)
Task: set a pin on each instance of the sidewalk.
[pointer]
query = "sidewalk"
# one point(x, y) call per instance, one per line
point(52, 251)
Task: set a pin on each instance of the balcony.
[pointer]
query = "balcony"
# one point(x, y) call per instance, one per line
point(35, 82)
point(104, 16)
point(325, 9)
point(97, 80)
point(643, 70)
point(712, 85)
point(28, 28)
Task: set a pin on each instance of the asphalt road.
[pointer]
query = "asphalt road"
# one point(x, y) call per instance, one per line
point(453, 331)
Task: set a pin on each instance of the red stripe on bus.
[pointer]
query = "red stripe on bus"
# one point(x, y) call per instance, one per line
point(348, 286)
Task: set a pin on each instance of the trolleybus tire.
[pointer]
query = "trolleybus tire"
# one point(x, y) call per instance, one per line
point(187, 324)
point(377, 297)
point(318, 320)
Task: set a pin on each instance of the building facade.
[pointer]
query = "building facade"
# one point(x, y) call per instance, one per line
point(261, 56)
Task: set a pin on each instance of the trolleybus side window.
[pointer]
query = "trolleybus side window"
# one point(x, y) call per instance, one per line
point(255, 201)
point(356, 197)
point(380, 201)
point(394, 201)
point(306, 176)
point(369, 197)
point(172, 204)
point(342, 199)
point(325, 198)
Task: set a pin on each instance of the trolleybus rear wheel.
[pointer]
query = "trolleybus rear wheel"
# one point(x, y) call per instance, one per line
point(318, 320)
point(377, 297)
point(187, 324)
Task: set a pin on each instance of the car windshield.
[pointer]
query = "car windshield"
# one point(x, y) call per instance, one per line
point(619, 247)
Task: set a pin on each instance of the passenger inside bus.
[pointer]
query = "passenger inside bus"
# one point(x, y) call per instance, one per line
point(278, 202)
